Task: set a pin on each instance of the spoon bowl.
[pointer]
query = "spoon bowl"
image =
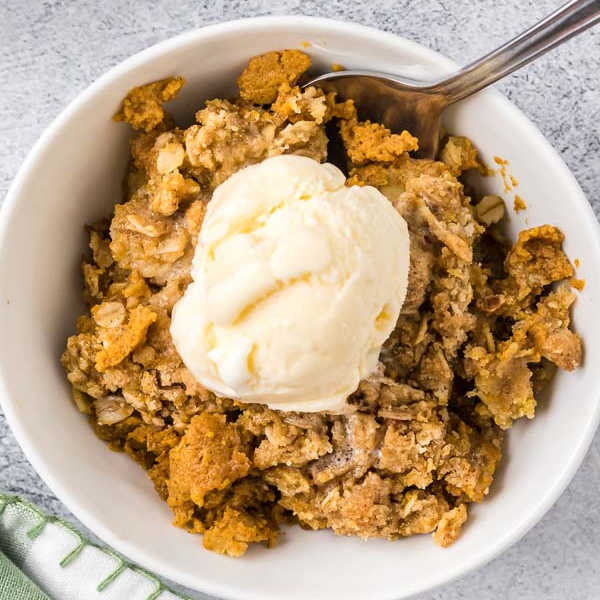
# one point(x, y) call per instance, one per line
point(402, 103)
point(397, 103)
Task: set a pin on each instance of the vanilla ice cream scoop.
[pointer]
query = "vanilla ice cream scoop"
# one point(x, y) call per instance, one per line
point(297, 282)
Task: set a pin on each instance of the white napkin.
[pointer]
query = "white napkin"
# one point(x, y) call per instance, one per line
point(64, 564)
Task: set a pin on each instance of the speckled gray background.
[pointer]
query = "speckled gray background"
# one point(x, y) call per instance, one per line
point(51, 50)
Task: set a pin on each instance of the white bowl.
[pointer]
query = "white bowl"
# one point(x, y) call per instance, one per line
point(73, 176)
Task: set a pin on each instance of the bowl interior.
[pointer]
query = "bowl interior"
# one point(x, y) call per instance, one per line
point(74, 177)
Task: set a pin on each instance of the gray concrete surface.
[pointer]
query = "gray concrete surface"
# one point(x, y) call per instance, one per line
point(51, 50)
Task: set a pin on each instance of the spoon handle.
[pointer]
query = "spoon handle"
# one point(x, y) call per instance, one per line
point(569, 20)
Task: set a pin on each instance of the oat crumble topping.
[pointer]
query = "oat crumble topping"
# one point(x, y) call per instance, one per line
point(482, 330)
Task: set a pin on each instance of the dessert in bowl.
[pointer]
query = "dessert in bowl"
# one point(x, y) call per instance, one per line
point(260, 467)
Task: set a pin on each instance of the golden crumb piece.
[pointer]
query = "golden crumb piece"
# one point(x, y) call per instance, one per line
point(519, 204)
point(392, 179)
point(537, 258)
point(169, 190)
point(336, 67)
point(451, 240)
point(136, 286)
point(345, 110)
point(169, 153)
point(142, 107)
point(264, 74)
point(124, 342)
point(377, 176)
point(232, 136)
point(144, 240)
point(150, 447)
point(578, 284)
point(210, 456)
point(101, 250)
point(288, 480)
point(372, 142)
point(562, 347)
point(460, 155)
point(285, 444)
point(471, 459)
point(549, 329)
point(399, 450)
point(503, 383)
point(92, 276)
point(235, 530)
point(448, 528)
point(296, 105)
point(194, 216)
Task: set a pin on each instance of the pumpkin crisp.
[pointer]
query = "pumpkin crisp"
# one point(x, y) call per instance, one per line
point(484, 326)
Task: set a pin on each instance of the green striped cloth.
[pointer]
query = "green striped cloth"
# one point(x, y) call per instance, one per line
point(45, 558)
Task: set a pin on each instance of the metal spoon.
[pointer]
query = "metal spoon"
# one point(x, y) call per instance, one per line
point(402, 103)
